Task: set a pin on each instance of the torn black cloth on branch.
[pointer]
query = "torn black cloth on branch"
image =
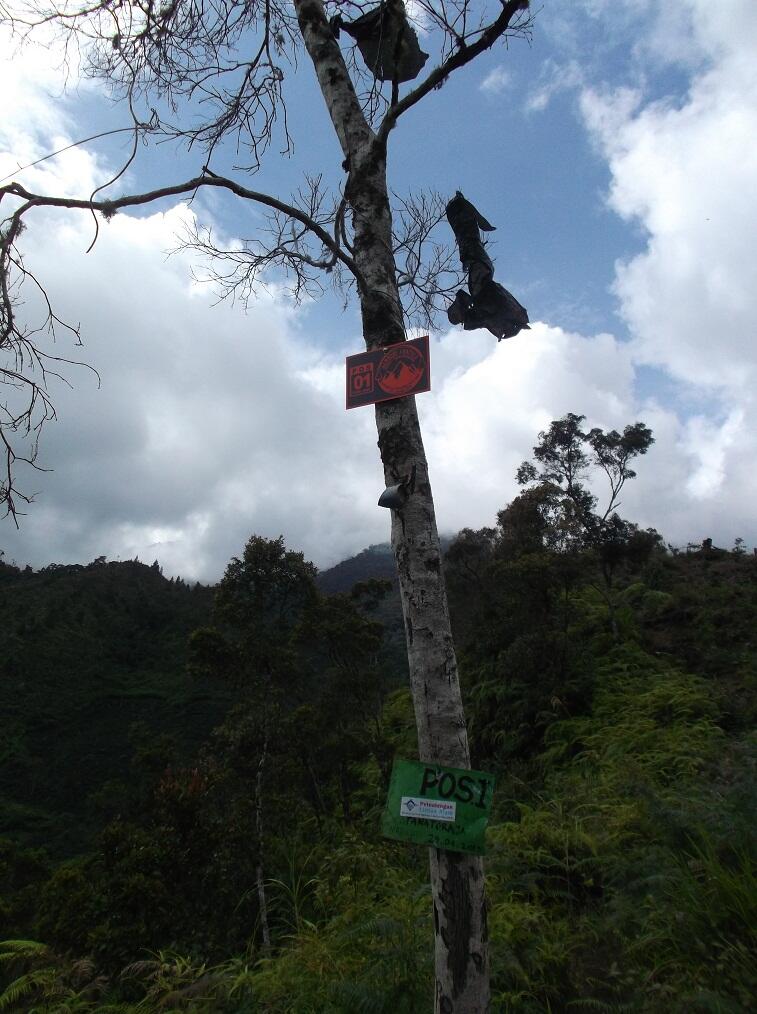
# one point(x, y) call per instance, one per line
point(386, 41)
point(488, 304)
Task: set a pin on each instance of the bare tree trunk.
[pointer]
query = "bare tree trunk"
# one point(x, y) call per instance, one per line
point(457, 880)
point(461, 951)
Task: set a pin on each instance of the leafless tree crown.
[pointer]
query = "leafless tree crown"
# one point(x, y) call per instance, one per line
point(206, 73)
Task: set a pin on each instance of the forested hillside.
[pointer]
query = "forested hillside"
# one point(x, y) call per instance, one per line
point(92, 670)
point(193, 778)
point(94, 686)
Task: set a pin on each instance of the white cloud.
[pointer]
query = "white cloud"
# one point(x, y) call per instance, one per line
point(496, 81)
point(554, 78)
point(211, 424)
point(484, 417)
point(710, 443)
point(206, 427)
point(685, 172)
point(37, 116)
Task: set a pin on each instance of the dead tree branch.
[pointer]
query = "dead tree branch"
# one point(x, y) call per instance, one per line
point(302, 237)
point(217, 70)
point(484, 38)
point(427, 271)
point(280, 241)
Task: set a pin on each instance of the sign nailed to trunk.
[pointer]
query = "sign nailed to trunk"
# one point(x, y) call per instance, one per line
point(393, 371)
point(434, 805)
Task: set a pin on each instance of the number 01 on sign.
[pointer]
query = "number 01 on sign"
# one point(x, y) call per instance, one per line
point(392, 371)
point(433, 805)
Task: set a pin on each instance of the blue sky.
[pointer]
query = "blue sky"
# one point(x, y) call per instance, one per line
point(615, 152)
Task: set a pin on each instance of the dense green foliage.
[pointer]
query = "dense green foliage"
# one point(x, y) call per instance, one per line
point(618, 717)
point(91, 669)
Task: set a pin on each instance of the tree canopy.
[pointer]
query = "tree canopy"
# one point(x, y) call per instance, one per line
point(621, 842)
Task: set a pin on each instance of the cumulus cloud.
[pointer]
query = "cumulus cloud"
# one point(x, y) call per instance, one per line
point(496, 81)
point(206, 426)
point(684, 171)
point(687, 175)
point(554, 78)
point(211, 424)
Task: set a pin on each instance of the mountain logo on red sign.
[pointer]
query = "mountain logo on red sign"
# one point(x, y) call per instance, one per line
point(400, 370)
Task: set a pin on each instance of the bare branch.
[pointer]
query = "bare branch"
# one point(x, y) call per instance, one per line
point(26, 406)
point(218, 67)
point(74, 144)
point(208, 179)
point(426, 270)
point(235, 272)
point(187, 51)
point(465, 52)
point(303, 237)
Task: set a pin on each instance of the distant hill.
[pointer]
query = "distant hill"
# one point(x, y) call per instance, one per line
point(374, 562)
point(88, 656)
point(93, 663)
point(618, 721)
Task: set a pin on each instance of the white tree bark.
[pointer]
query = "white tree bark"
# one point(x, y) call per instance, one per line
point(461, 953)
point(462, 978)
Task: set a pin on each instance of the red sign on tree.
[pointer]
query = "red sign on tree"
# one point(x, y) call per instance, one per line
point(394, 371)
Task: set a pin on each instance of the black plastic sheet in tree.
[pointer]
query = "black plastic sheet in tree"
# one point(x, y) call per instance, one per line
point(386, 41)
point(488, 304)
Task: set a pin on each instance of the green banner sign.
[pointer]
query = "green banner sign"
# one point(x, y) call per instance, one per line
point(433, 805)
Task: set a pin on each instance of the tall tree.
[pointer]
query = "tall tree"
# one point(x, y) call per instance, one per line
point(226, 65)
point(565, 454)
point(307, 666)
point(261, 597)
point(564, 457)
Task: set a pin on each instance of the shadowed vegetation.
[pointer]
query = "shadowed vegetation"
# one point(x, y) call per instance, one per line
point(200, 833)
